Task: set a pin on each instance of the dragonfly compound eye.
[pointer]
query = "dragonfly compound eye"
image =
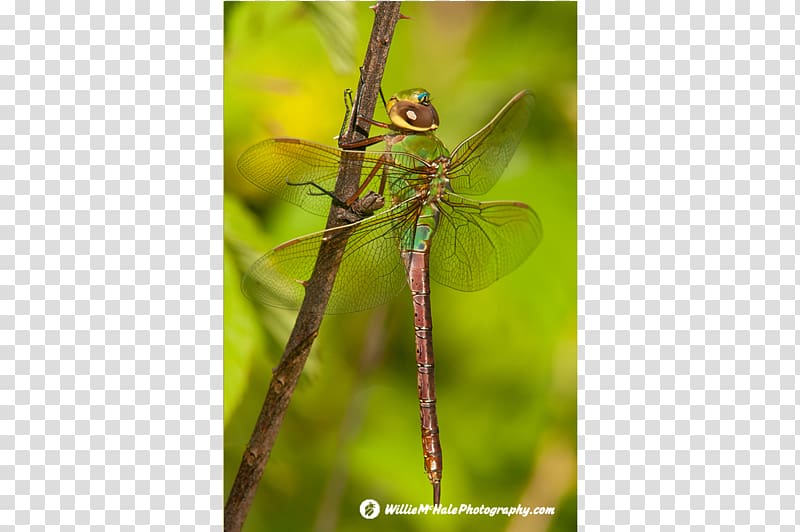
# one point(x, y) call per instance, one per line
point(414, 116)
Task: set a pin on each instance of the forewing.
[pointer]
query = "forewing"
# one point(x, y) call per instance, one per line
point(478, 162)
point(286, 167)
point(371, 271)
point(477, 243)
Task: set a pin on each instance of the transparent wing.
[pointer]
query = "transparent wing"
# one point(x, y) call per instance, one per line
point(477, 243)
point(284, 167)
point(371, 271)
point(478, 162)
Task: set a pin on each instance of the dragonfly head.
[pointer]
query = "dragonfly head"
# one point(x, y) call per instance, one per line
point(411, 110)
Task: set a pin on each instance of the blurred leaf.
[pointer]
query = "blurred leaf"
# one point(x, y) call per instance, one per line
point(245, 242)
point(242, 337)
point(336, 24)
point(243, 232)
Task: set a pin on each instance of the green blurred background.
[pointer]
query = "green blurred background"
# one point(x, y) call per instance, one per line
point(506, 364)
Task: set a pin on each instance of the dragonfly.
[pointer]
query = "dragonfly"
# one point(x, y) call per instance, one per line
point(415, 224)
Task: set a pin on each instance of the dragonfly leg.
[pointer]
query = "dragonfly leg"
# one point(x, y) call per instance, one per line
point(380, 91)
point(364, 207)
point(348, 106)
point(348, 95)
point(348, 99)
point(334, 197)
point(361, 143)
point(374, 122)
point(367, 181)
point(358, 207)
point(321, 190)
point(356, 210)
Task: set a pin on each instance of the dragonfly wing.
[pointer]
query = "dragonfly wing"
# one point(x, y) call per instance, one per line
point(477, 243)
point(478, 162)
point(279, 166)
point(286, 167)
point(371, 271)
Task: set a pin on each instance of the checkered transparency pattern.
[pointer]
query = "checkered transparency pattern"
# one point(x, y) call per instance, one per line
point(689, 267)
point(110, 266)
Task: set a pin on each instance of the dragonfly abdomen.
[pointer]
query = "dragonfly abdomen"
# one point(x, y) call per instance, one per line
point(419, 283)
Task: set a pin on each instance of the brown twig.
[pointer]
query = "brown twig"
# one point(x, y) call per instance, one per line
point(318, 288)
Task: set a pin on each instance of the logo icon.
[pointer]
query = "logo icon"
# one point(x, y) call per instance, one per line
point(370, 509)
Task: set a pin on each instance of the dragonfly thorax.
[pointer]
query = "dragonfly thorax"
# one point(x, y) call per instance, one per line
point(424, 152)
point(425, 146)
